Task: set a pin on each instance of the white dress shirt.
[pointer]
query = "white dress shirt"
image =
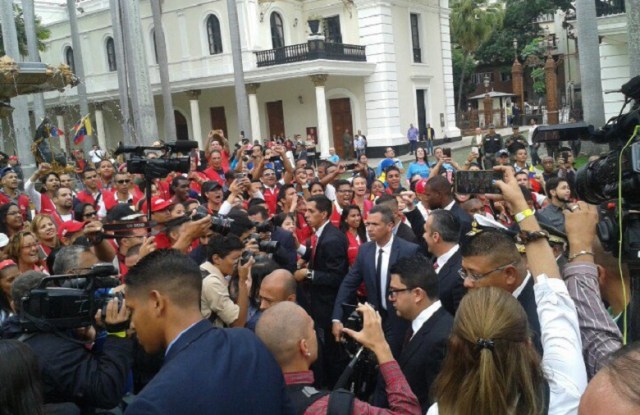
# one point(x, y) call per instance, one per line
point(516, 293)
point(384, 271)
point(303, 248)
point(450, 205)
point(442, 259)
point(424, 316)
point(562, 363)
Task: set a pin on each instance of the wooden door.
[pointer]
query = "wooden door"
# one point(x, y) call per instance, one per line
point(182, 131)
point(218, 119)
point(340, 121)
point(276, 119)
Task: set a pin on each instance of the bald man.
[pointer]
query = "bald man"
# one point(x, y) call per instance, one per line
point(614, 389)
point(288, 332)
point(277, 287)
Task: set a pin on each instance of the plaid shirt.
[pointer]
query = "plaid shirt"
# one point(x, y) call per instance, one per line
point(401, 398)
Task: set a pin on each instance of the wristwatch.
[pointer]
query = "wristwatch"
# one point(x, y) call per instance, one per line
point(309, 275)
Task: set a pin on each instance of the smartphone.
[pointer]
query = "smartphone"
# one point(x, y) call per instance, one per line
point(446, 151)
point(475, 150)
point(41, 254)
point(479, 181)
point(239, 176)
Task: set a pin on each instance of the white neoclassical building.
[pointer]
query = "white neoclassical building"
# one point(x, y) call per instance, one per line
point(381, 66)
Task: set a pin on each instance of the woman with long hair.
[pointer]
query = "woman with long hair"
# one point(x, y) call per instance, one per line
point(21, 391)
point(84, 211)
point(360, 197)
point(377, 190)
point(420, 165)
point(45, 230)
point(352, 224)
point(316, 188)
point(11, 221)
point(43, 200)
point(23, 250)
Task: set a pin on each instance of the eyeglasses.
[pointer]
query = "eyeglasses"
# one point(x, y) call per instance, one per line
point(391, 293)
point(125, 181)
point(89, 214)
point(345, 191)
point(268, 174)
point(464, 274)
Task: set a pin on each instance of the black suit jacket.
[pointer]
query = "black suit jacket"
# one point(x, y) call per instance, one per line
point(422, 357)
point(527, 300)
point(329, 266)
point(286, 255)
point(405, 232)
point(450, 285)
point(364, 269)
point(416, 220)
point(463, 217)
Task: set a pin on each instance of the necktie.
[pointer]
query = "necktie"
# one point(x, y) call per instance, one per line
point(436, 265)
point(379, 275)
point(314, 243)
point(407, 337)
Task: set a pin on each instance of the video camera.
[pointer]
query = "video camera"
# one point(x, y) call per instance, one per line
point(46, 308)
point(159, 167)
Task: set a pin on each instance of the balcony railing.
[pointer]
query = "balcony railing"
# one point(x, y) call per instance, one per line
point(314, 49)
point(609, 7)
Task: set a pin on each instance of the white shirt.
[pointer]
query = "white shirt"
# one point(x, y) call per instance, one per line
point(516, 293)
point(384, 270)
point(303, 249)
point(562, 362)
point(96, 155)
point(330, 192)
point(450, 205)
point(442, 259)
point(424, 315)
point(423, 210)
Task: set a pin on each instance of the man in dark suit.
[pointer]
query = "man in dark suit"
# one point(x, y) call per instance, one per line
point(285, 255)
point(441, 233)
point(400, 229)
point(327, 264)
point(491, 259)
point(372, 265)
point(414, 293)
point(439, 195)
point(163, 295)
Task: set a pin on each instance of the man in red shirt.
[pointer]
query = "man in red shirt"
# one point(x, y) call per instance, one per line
point(11, 193)
point(215, 171)
point(92, 194)
point(287, 331)
point(106, 171)
point(271, 189)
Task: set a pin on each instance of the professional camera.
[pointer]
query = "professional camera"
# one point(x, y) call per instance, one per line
point(46, 308)
point(263, 227)
point(268, 247)
point(219, 224)
point(159, 167)
point(354, 322)
point(351, 166)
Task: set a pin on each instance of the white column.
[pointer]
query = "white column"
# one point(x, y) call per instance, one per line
point(100, 131)
point(321, 107)
point(449, 128)
point(194, 105)
point(63, 139)
point(254, 111)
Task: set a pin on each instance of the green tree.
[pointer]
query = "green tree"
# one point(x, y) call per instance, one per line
point(520, 24)
point(41, 32)
point(472, 23)
point(460, 65)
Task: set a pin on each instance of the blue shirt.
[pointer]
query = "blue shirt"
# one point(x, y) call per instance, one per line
point(413, 134)
point(418, 168)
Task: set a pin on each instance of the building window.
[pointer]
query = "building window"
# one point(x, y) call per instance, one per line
point(68, 57)
point(277, 31)
point(213, 35)
point(155, 45)
point(332, 31)
point(415, 37)
point(111, 55)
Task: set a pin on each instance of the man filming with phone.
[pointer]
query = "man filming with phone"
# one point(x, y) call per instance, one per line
point(288, 332)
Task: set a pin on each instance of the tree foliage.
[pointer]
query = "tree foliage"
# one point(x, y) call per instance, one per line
point(42, 33)
point(461, 64)
point(520, 24)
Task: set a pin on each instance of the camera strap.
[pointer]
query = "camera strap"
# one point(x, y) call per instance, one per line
point(340, 402)
point(303, 396)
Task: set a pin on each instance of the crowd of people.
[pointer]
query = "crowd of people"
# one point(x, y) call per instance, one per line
point(242, 284)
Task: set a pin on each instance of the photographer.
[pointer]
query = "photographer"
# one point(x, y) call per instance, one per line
point(71, 371)
point(287, 331)
point(285, 255)
point(223, 252)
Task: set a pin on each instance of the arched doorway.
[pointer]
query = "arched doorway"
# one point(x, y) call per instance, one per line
point(182, 131)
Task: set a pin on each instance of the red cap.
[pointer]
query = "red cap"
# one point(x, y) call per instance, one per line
point(13, 158)
point(157, 204)
point(421, 185)
point(7, 263)
point(70, 227)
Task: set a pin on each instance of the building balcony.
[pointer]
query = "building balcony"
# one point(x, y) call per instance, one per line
point(312, 50)
point(609, 7)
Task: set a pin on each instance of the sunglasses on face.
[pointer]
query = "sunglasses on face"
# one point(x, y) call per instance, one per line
point(124, 181)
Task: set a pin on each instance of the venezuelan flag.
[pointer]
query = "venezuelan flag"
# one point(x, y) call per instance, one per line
point(81, 129)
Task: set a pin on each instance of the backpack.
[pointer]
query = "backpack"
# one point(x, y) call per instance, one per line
point(303, 396)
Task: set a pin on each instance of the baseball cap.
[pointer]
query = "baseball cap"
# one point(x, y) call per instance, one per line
point(69, 228)
point(13, 158)
point(6, 171)
point(385, 164)
point(420, 186)
point(157, 204)
point(7, 263)
point(502, 153)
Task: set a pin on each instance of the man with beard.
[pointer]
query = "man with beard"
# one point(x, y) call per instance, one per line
point(63, 200)
point(559, 192)
point(92, 194)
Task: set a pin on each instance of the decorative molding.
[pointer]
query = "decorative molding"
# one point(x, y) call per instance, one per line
point(252, 88)
point(319, 80)
point(194, 93)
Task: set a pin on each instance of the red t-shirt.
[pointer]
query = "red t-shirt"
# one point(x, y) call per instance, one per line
point(23, 203)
